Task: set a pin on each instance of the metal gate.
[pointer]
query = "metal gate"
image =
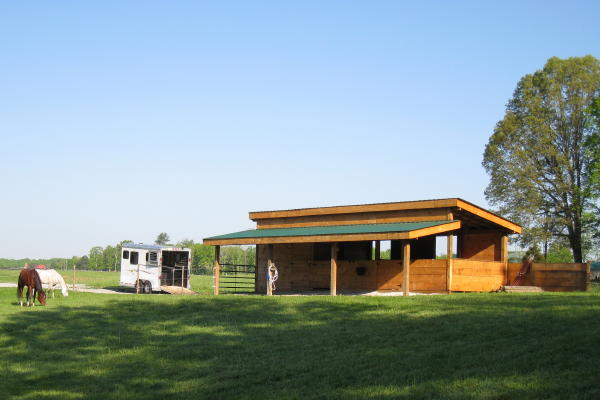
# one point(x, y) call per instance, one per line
point(236, 278)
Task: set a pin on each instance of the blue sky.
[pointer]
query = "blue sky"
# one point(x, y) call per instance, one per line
point(120, 120)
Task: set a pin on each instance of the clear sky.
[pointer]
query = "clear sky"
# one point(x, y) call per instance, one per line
point(123, 119)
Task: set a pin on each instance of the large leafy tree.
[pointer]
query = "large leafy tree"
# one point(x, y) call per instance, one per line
point(543, 157)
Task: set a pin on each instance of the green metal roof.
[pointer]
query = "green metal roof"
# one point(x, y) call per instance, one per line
point(329, 230)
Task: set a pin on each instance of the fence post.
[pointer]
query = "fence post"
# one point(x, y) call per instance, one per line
point(588, 276)
point(217, 269)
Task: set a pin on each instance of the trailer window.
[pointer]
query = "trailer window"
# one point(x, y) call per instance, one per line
point(134, 258)
point(152, 258)
point(125, 254)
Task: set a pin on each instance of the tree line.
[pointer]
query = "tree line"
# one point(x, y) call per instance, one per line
point(108, 258)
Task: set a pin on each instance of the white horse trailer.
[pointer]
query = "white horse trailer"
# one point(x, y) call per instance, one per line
point(153, 268)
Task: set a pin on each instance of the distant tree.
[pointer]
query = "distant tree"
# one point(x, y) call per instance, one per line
point(203, 258)
point(543, 157)
point(535, 252)
point(559, 252)
point(238, 255)
point(95, 257)
point(162, 239)
point(189, 243)
point(118, 252)
point(83, 262)
point(108, 257)
point(386, 254)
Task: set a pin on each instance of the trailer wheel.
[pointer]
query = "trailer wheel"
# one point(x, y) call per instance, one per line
point(147, 287)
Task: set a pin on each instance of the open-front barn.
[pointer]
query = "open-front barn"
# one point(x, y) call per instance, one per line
point(338, 248)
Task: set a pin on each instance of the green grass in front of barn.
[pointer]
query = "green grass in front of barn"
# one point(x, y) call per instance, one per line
point(477, 346)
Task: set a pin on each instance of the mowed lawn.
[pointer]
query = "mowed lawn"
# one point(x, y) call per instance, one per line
point(474, 346)
point(100, 279)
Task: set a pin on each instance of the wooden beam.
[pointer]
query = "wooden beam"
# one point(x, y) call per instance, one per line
point(406, 267)
point(396, 206)
point(377, 217)
point(449, 254)
point(217, 269)
point(359, 237)
point(378, 250)
point(333, 285)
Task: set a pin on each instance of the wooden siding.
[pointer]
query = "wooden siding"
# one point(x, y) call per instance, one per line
point(554, 277)
point(353, 219)
point(428, 276)
point(298, 272)
point(477, 276)
point(481, 246)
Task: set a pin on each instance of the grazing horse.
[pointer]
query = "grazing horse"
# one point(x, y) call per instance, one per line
point(31, 279)
point(52, 279)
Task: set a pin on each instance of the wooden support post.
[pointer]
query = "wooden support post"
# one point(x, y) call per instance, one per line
point(504, 256)
point(256, 248)
point(588, 276)
point(449, 255)
point(333, 284)
point(406, 267)
point(267, 276)
point(217, 269)
point(378, 250)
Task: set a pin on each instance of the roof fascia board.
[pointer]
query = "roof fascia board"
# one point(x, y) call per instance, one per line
point(480, 212)
point(398, 206)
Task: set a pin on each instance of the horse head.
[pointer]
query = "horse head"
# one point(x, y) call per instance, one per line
point(42, 297)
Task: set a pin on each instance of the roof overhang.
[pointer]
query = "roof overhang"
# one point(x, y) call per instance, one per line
point(457, 204)
point(335, 233)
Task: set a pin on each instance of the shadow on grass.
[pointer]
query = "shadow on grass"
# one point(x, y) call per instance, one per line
point(483, 346)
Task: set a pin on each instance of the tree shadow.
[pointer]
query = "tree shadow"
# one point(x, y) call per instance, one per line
point(462, 346)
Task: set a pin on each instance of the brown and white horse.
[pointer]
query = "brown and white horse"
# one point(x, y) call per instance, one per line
point(31, 279)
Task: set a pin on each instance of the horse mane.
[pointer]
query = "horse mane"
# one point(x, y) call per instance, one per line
point(61, 280)
point(38, 282)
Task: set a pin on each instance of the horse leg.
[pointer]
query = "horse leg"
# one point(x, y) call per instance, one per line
point(28, 290)
point(20, 295)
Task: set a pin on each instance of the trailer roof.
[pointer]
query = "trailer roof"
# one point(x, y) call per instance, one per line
point(144, 246)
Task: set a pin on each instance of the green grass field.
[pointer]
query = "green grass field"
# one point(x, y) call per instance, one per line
point(475, 346)
point(96, 279)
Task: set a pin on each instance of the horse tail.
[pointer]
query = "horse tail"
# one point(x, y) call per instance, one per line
point(20, 286)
